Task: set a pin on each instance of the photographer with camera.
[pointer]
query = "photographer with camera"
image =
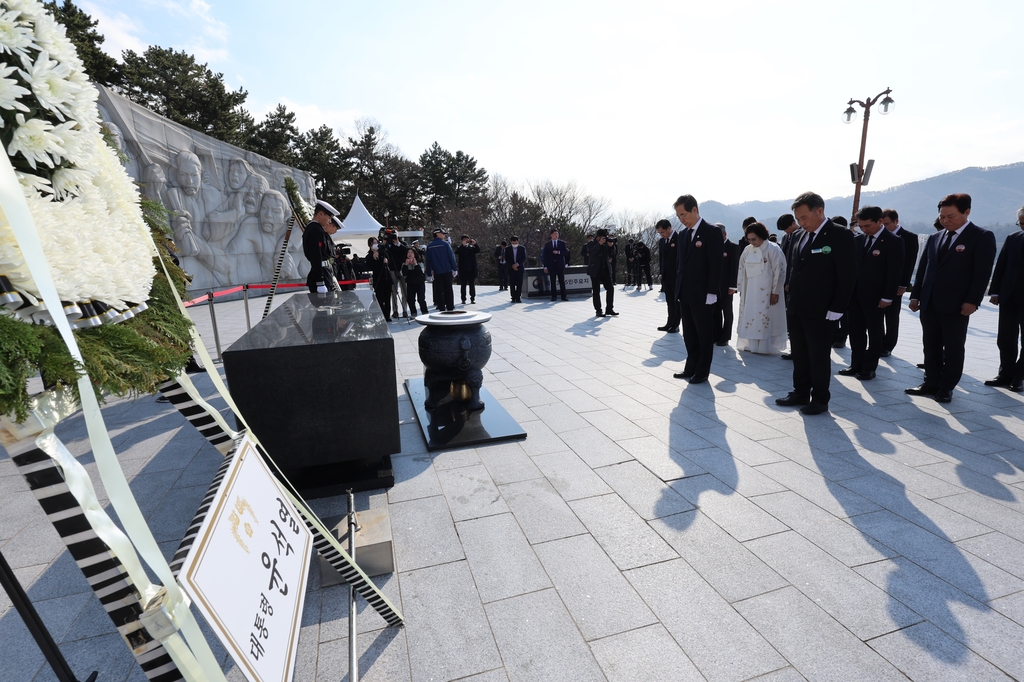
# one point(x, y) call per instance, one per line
point(343, 269)
point(415, 282)
point(380, 276)
point(466, 254)
point(599, 268)
point(396, 256)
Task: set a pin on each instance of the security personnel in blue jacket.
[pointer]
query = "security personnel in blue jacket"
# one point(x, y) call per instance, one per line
point(441, 265)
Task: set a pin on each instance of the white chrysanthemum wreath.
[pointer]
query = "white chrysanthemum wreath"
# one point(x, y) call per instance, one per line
point(84, 204)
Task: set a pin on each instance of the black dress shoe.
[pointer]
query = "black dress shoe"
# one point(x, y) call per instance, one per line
point(721, 343)
point(1017, 387)
point(814, 408)
point(553, 300)
point(598, 314)
point(664, 328)
point(565, 299)
point(683, 375)
point(700, 379)
point(920, 365)
point(613, 313)
point(848, 372)
point(786, 356)
point(998, 381)
point(866, 376)
point(944, 397)
point(885, 354)
point(672, 330)
point(793, 399)
point(923, 389)
point(839, 344)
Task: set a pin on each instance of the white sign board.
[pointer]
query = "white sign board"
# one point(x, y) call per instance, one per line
point(247, 570)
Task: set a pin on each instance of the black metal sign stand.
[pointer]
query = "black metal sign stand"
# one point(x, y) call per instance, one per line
point(35, 624)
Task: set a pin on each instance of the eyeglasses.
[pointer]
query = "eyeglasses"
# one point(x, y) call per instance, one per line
point(1019, 224)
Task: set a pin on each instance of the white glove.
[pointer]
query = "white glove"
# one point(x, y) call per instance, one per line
point(712, 299)
point(455, 273)
point(832, 317)
point(430, 279)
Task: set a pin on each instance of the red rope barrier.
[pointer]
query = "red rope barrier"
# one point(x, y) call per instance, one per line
point(235, 290)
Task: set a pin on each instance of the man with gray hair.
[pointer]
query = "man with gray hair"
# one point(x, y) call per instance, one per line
point(1007, 292)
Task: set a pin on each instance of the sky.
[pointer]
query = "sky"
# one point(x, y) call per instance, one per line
point(637, 102)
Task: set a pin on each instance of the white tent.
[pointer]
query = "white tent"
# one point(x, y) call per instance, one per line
point(359, 220)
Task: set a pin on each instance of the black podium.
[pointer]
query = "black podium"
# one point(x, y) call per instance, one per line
point(315, 380)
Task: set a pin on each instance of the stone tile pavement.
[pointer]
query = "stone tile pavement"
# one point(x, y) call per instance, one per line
point(645, 530)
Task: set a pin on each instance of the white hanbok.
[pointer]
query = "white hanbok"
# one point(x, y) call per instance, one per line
point(761, 327)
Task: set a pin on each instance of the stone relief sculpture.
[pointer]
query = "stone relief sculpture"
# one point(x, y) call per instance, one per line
point(228, 211)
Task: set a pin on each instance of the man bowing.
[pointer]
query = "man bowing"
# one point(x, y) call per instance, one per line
point(698, 279)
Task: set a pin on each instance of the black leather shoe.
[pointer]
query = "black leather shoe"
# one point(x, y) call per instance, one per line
point(814, 408)
point(613, 313)
point(792, 399)
point(664, 328)
point(944, 397)
point(672, 330)
point(923, 389)
point(565, 299)
point(721, 343)
point(698, 379)
point(599, 314)
point(865, 376)
point(553, 300)
point(885, 354)
point(998, 381)
point(839, 344)
point(848, 372)
point(920, 365)
point(786, 356)
point(1017, 387)
point(682, 375)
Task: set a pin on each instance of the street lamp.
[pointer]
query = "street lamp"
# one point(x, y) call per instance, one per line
point(859, 174)
point(386, 214)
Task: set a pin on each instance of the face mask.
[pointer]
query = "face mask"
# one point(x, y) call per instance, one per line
point(374, 247)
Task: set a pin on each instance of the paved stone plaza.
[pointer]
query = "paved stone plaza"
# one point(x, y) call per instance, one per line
point(645, 530)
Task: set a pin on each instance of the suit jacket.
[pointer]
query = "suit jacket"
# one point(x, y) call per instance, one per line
point(699, 263)
point(1008, 278)
point(879, 270)
point(789, 240)
point(641, 254)
point(552, 261)
point(910, 249)
point(959, 277)
point(466, 255)
point(730, 266)
point(585, 252)
point(499, 255)
point(667, 250)
point(822, 276)
point(519, 258)
point(598, 262)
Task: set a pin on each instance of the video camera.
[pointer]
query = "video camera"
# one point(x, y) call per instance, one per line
point(344, 248)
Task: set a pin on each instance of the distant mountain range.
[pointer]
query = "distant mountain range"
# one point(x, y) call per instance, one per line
point(996, 192)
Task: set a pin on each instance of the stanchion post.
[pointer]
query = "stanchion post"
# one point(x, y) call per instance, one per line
point(353, 632)
point(213, 320)
point(245, 296)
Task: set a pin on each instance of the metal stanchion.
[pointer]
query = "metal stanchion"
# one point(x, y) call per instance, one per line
point(213, 320)
point(353, 633)
point(35, 625)
point(245, 296)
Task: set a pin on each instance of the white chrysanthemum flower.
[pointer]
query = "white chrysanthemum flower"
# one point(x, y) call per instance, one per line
point(50, 84)
point(15, 36)
point(34, 183)
point(71, 141)
point(48, 32)
point(10, 92)
point(34, 139)
point(69, 181)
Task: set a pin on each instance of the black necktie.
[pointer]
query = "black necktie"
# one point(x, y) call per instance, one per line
point(944, 246)
point(807, 245)
point(867, 245)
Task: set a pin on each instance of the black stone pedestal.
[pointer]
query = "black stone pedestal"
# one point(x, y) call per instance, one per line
point(451, 425)
point(315, 381)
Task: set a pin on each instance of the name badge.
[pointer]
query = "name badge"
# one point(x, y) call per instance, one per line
point(824, 249)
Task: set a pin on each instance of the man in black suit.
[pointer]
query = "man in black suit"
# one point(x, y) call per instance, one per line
point(499, 262)
point(668, 247)
point(630, 263)
point(1007, 292)
point(698, 278)
point(820, 287)
point(466, 255)
point(723, 308)
point(515, 257)
point(585, 251)
point(554, 258)
point(891, 222)
point(792, 234)
point(642, 256)
point(599, 267)
point(879, 268)
point(948, 289)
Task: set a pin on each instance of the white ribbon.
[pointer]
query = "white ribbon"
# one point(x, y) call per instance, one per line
point(199, 663)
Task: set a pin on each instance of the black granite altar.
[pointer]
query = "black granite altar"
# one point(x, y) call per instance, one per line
point(452, 424)
point(538, 285)
point(315, 380)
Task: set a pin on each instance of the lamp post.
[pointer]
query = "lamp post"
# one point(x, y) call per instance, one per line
point(885, 106)
point(386, 214)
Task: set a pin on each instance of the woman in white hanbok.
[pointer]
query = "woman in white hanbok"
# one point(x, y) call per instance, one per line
point(761, 325)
